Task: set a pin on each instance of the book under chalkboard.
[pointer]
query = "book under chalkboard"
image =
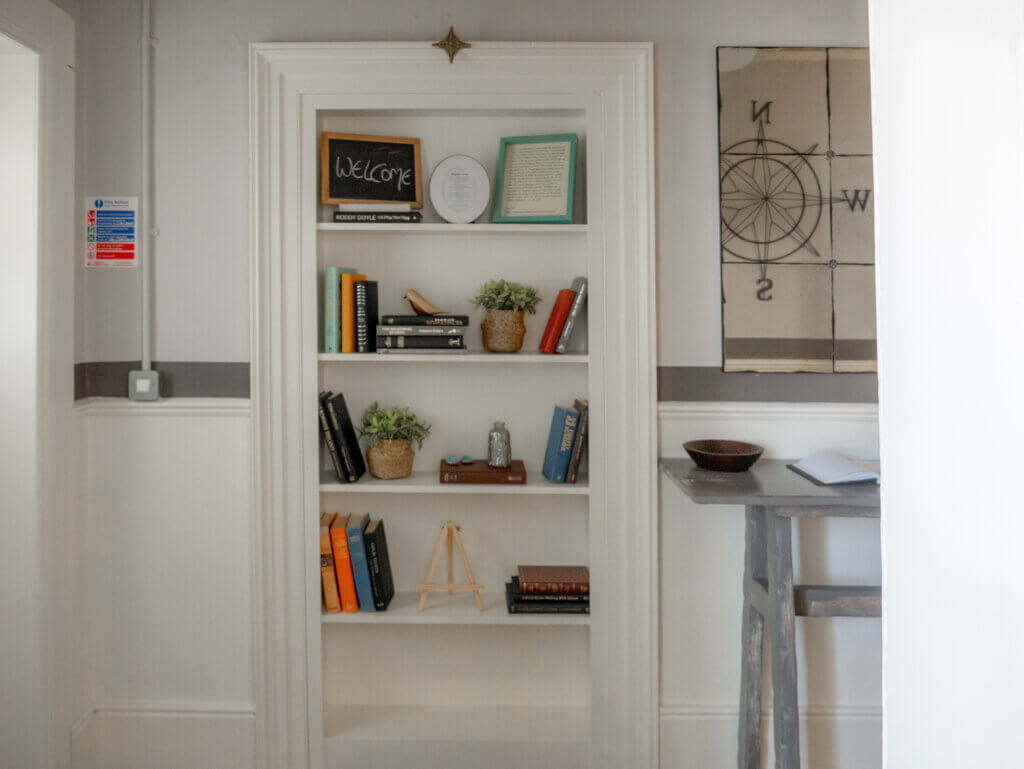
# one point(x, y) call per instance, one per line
point(378, 217)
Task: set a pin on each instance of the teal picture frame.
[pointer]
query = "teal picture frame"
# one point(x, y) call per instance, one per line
point(566, 218)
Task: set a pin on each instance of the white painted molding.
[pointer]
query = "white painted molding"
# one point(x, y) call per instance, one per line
point(239, 708)
point(613, 84)
point(702, 712)
point(170, 407)
point(82, 722)
point(695, 410)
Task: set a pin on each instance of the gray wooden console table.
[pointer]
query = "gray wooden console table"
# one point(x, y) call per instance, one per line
point(773, 495)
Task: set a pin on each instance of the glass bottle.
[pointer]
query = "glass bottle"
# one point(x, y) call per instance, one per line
point(499, 446)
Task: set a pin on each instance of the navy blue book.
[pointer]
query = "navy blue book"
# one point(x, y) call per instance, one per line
point(360, 564)
point(560, 441)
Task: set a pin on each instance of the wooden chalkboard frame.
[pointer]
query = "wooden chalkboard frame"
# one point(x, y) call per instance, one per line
point(325, 162)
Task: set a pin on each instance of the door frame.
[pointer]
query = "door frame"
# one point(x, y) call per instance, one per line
point(50, 33)
point(285, 80)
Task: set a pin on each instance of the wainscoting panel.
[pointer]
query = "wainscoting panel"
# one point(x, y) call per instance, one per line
point(169, 528)
point(705, 738)
point(164, 737)
point(167, 490)
point(840, 660)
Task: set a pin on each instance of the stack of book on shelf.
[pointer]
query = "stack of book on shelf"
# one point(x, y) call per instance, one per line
point(350, 311)
point(354, 566)
point(567, 441)
point(566, 316)
point(339, 437)
point(439, 333)
point(549, 590)
point(377, 213)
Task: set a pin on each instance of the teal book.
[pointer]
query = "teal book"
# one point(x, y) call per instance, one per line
point(560, 442)
point(360, 564)
point(332, 310)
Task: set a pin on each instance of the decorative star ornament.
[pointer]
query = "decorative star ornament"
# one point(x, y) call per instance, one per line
point(452, 44)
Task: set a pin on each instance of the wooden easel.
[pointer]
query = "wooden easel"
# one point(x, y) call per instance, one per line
point(450, 535)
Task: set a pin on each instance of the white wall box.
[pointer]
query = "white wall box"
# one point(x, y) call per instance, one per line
point(452, 687)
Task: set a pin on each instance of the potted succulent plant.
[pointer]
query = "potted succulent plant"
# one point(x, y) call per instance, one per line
point(391, 433)
point(505, 304)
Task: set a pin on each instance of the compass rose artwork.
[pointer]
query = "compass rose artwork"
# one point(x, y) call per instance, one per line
point(796, 208)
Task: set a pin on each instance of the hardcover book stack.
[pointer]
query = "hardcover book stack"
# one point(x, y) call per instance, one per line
point(350, 311)
point(354, 566)
point(566, 316)
point(549, 590)
point(567, 441)
point(431, 334)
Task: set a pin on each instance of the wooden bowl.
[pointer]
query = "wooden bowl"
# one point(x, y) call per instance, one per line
point(723, 456)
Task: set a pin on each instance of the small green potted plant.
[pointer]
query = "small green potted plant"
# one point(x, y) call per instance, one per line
point(505, 305)
point(391, 433)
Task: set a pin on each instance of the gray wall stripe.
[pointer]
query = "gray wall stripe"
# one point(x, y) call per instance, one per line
point(191, 379)
point(178, 379)
point(710, 383)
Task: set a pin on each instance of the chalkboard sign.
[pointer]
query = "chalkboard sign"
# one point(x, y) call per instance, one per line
point(356, 168)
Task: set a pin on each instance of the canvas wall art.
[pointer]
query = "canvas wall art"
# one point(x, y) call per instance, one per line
point(797, 210)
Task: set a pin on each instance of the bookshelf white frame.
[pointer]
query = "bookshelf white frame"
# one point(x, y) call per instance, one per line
point(610, 84)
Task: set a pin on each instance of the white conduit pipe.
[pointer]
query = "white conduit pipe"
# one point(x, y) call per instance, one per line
point(146, 232)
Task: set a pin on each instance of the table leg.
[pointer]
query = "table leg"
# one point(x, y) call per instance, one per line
point(782, 630)
point(753, 645)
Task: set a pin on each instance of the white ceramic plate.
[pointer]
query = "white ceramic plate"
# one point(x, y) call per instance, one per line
point(460, 189)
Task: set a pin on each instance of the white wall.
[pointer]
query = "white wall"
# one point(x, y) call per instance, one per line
point(949, 85)
point(201, 131)
point(201, 307)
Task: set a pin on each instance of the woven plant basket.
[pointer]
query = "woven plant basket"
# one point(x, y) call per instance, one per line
point(504, 330)
point(389, 460)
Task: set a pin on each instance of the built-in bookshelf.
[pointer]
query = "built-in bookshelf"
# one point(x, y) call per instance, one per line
point(461, 395)
point(450, 685)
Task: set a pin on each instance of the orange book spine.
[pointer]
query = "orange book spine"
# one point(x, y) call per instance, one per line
point(348, 310)
point(343, 566)
point(556, 321)
point(327, 571)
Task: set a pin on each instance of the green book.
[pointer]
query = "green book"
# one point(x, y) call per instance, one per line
point(332, 310)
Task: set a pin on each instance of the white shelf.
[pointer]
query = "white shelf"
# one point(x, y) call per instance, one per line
point(426, 482)
point(435, 227)
point(520, 358)
point(476, 723)
point(444, 609)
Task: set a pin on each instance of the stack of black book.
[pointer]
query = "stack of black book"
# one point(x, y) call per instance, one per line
point(339, 436)
point(441, 333)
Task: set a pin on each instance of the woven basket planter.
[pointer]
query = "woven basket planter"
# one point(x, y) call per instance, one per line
point(504, 330)
point(389, 460)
